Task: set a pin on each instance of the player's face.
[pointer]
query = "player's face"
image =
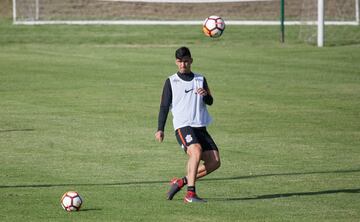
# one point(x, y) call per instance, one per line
point(184, 64)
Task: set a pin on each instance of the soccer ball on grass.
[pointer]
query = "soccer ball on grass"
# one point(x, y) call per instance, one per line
point(213, 26)
point(71, 201)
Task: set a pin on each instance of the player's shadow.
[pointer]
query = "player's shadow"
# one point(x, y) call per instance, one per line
point(253, 176)
point(284, 195)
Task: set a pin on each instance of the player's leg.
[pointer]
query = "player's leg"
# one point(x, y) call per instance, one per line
point(211, 163)
point(194, 152)
point(210, 155)
point(186, 137)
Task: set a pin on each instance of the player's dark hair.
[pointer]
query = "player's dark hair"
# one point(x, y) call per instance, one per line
point(182, 52)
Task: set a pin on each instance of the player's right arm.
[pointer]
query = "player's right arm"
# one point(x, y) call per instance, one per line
point(159, 136)
point(166, 100)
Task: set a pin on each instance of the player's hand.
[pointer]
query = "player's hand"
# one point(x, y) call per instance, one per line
point(201, 92)
point(159, 136)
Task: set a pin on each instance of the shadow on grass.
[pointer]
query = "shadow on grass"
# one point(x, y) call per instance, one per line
point(90, 209)
point(167, 181)
point(283, 195)
point(15, 130)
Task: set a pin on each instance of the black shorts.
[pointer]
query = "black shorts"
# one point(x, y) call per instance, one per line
point(190, 135)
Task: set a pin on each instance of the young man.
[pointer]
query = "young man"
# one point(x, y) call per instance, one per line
point(187, 94)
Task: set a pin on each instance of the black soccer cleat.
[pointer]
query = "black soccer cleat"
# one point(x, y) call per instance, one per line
point(193, 198)
point(175, 186)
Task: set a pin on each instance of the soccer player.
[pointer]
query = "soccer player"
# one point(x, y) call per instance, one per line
point(188, 94)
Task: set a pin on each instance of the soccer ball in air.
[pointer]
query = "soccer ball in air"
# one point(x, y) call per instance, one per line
point(213, 26)
point(71, 201)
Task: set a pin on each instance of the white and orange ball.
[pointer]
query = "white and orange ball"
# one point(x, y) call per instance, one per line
point(214, 26)
point(71, 201)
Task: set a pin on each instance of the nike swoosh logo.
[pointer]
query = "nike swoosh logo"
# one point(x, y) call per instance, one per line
point(186, 91)
point(188, 200)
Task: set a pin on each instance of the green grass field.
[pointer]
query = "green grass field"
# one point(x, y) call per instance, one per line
point(79, 106)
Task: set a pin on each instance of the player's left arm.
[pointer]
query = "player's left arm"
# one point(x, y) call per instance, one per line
point(207, 98)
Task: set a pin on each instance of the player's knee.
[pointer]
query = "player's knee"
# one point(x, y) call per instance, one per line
point(194, 151)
